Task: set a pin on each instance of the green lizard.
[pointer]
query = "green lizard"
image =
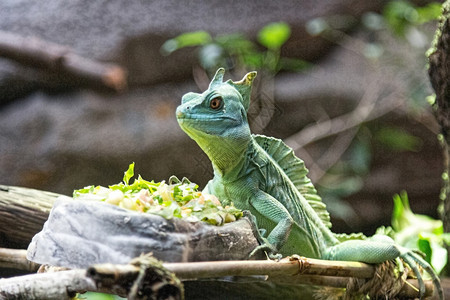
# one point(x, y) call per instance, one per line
point(262, 175)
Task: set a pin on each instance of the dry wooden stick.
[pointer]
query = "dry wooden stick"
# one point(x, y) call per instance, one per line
point(290, 270)
point(59, 286)
point(61, 60)
point(289, 267)
point(16, 259)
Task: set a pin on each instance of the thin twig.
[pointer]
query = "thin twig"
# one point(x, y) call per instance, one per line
point(361, 114)
point(332, 155)
point(364, 108)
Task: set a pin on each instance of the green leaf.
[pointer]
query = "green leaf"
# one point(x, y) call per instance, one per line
point(401, 211)
point(446, 238)
point(274, 35)
point(439, 256)
point(293, 64)
point(188, 39)
point(435, 253)
point(424, 246)
point(253, 60)
point(401, 14)
point(431, 11)
point(235, 43)
point(80, 192)
point(398, 139)
point(128, 174)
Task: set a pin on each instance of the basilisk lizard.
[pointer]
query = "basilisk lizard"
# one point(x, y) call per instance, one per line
point(262, 175)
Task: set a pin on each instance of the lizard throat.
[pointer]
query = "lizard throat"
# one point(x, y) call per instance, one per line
point(226, 157)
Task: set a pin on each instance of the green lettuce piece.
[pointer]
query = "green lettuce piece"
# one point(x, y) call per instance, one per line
point(128, 174)
point(175, 199)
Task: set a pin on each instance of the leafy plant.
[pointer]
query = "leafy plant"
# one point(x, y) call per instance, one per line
point(401, 15)
point(420, 232)
point(398, 139)
point(236, 50)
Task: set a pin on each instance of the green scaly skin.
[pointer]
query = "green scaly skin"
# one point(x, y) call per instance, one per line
point(247, 175)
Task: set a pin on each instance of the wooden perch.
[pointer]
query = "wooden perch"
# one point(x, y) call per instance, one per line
point(23, 212)
point(61, 61)
point(118, 279)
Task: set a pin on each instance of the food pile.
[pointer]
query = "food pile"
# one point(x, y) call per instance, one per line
point(177, 198)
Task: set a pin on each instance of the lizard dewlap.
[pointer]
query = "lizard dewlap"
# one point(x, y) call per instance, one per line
point(177, 198)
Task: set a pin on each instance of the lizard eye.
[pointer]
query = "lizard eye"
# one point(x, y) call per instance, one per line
point(216, 103)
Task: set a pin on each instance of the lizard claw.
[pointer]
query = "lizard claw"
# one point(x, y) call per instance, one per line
point(265, 246)
point(413, 259)
point(270, 250)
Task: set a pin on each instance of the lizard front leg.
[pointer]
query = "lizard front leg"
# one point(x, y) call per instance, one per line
point(267, 207)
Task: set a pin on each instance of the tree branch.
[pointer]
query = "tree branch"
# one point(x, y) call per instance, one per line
point(29, 206)
point(61, 61)
point(368, 109)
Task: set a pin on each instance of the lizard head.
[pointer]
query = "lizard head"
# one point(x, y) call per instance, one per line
point(217, 118)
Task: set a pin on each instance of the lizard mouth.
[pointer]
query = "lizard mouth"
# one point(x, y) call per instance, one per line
point(181, 117)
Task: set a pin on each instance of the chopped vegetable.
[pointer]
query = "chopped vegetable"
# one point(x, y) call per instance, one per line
point(177, 198)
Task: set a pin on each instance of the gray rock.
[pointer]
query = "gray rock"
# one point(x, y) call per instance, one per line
point(81, 233)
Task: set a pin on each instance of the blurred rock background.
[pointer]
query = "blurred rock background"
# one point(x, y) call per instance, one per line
point(366, 72)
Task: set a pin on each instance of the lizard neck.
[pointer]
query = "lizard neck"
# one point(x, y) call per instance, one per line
point(228, 155)
point(224, 139)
